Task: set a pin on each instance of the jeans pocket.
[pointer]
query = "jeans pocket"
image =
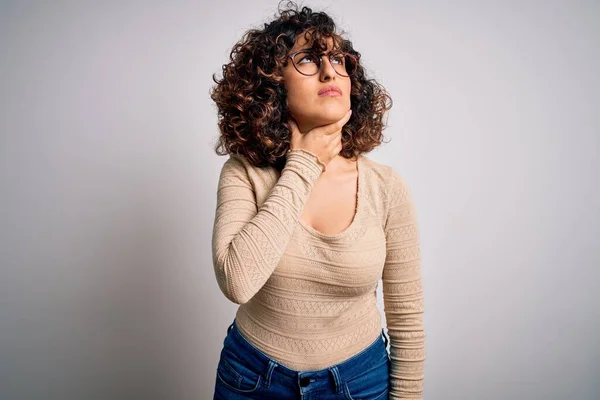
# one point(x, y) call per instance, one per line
point(235, 375)
point(370, 385)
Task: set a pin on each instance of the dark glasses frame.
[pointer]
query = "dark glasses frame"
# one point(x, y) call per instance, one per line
point(320, 66)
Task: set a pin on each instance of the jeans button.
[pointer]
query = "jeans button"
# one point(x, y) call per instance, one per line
point(305, 381)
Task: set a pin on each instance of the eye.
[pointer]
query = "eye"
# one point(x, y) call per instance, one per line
point(338, 58)
point(308, 57)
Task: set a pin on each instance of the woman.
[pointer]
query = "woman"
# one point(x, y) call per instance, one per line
point(306, 225)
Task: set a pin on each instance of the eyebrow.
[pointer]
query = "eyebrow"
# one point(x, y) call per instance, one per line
point(310, 49)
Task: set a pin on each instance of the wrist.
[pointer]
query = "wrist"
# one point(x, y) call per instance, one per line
point(321, 163)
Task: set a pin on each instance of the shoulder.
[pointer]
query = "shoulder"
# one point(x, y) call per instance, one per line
point(239, 170)
point(383, 177)
point(390, 186)
point(233, 170)
point(235, 161)
point(238, 163)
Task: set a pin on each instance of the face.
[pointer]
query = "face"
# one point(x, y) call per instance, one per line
point(307, 107)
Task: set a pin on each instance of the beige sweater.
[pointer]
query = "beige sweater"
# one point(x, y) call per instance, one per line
point(308, 300)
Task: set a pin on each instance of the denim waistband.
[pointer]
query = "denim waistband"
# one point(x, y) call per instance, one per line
point(346, 370)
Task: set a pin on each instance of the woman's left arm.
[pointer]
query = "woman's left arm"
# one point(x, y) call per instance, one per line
point(403, 293)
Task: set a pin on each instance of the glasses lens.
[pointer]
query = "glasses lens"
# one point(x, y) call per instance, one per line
point(343, 63)
point(306, 62)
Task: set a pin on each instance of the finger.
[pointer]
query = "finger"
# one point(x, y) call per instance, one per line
point(338, 148)
point(292, 124)
point(335, 144)
point(294, 131)
point(337, 137)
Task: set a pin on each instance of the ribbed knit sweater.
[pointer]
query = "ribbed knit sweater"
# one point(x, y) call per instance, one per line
point(308, 299)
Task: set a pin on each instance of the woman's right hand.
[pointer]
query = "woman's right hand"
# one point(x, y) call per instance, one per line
point(325, 141)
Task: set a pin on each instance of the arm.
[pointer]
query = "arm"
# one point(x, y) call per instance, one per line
point(403, 294)
point(247, 243)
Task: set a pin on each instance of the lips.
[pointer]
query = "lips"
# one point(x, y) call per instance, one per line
point(330, 90)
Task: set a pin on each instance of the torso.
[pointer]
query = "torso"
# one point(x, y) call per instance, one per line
point(331, 205)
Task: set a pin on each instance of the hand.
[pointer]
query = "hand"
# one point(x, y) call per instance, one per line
point(325, 141)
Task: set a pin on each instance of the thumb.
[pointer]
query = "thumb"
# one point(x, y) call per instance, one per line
point(292, 124)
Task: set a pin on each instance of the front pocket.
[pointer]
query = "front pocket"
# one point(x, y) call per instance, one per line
point(371, 385)
point(383, 395)
point(237, 377)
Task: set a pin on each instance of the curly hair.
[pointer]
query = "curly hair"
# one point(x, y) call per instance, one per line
point(251, 97)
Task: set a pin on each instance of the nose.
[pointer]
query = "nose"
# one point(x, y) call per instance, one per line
point(327, 70)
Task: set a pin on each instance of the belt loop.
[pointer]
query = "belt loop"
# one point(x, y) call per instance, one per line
point(272, 365)
point(337, 380)
point(385, 339)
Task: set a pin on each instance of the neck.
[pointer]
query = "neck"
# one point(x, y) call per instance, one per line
point(306, 126)
point(338, 163)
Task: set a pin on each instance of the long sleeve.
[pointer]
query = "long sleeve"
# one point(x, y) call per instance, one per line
point(403, 293)
point(247, 243)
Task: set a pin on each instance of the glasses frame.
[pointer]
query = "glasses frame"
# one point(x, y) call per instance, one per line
point(319, 57)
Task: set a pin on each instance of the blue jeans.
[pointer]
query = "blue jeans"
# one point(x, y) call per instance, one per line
point(245, 372)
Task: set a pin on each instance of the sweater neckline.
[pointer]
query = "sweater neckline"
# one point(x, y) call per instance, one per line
point(359, 188)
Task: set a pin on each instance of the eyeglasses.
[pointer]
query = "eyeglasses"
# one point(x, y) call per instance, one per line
point(309, 63)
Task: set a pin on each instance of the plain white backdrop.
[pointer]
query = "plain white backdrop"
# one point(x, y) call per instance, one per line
point(108, 190)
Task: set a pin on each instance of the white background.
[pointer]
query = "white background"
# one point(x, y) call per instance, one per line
point(108, 190)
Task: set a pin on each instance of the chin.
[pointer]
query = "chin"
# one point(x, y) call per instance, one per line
point(323, 114)
point(329, 115)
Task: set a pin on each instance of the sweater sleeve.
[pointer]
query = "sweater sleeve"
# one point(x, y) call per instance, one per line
point(247, 242)
point(403, 293)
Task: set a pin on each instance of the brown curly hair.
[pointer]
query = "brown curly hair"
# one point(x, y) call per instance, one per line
point(251, 97)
